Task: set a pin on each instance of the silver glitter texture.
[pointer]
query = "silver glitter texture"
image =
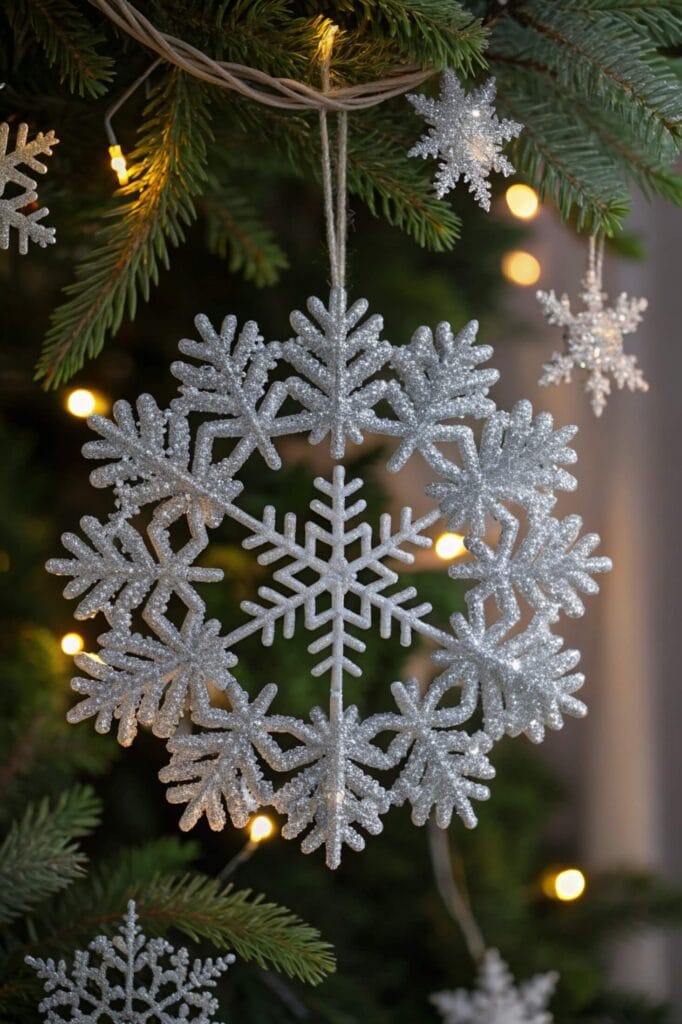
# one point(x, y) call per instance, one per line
point(12, 207)
point(130, 980)
point(335, 575)
point(593, 340)
point(497, 1000)
point(466, 135)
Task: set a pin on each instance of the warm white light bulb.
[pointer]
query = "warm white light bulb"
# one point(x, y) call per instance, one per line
point(564, 885)
point(522, 201)
point(72, 643)
point(261, 827)
point(521, 268)
point(81, 402)
point(449, 546)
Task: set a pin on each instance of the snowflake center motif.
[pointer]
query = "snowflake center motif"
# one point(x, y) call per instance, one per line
point(333, 574)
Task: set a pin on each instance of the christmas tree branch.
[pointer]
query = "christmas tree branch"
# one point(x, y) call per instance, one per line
point(168, 170)
point(69, 42)
point(40, 856)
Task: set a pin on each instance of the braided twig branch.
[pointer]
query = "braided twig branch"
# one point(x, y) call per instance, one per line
point(283, 93)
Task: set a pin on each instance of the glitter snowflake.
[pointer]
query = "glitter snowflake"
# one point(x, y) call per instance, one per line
point(134, 980)
point(593, 340)
point(497, 1000)
point(334, 775)
point(13, 207)
point(466, 135)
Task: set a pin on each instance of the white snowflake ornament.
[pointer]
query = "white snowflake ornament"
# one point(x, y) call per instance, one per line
point(13, 207)
point(593, 338)
point(336, 575)
point(466, 135)
point(130, 980)
point(497, 1000)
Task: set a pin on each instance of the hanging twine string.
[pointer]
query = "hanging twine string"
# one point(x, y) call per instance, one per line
point(456, 902)
point(282, 93)
point(595, 263)
point(336, 220)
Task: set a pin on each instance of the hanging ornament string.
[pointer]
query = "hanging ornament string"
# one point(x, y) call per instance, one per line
point(336, 219)
point(595, 261)
point(455, 899)
point(283, 93)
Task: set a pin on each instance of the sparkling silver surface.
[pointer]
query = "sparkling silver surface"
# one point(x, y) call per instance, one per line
point(130, 980)
point(497, 1000)
point(465, 135)
point(593, 341)
point(335, 575)
point(25, 153)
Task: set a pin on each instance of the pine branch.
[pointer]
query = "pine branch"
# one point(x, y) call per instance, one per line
point(436, 33)
point(607, 62)
point(168, 169)
point(659, 21)
point(380, 174)
point(265, 932)
point(39, 856)
point(562, 163)
point(198, 906)
point(235, 232)
point(69, 42)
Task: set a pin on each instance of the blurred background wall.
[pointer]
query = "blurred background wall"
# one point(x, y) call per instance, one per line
point(625, 761)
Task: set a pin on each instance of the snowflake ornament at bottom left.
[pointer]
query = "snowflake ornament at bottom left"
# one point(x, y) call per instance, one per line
point(134, 981)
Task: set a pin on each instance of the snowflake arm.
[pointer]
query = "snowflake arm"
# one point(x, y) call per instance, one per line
point(151, 461)
point(220, 770)
point(497, 1000)
point(524, 682)
point(440, 382)
point(332, 794)
point(466, 135)
point(121, 579)
point(233, 382)
point(519, 460)
point(140, 680)
point(130, 983)
point(11, 209)
point(337, 362)
point(442, 760)
point(549, 568)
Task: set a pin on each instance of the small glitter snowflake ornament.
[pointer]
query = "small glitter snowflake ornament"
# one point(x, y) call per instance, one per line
point(593, 337)
point(134, 980)
point(334, 775)
point(497, 1000)
point(466, 135)
point(13, 207)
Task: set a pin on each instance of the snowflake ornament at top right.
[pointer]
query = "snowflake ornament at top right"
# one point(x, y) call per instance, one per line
point(593, 337)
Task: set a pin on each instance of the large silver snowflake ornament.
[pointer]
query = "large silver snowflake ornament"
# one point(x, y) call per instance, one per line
point(16, 210)
point(466, 135)
point(497, 1000)
point(130, 980)
point(336, 575)
point(593, 340)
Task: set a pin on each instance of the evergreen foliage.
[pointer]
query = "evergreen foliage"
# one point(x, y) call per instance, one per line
point(596, 82)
